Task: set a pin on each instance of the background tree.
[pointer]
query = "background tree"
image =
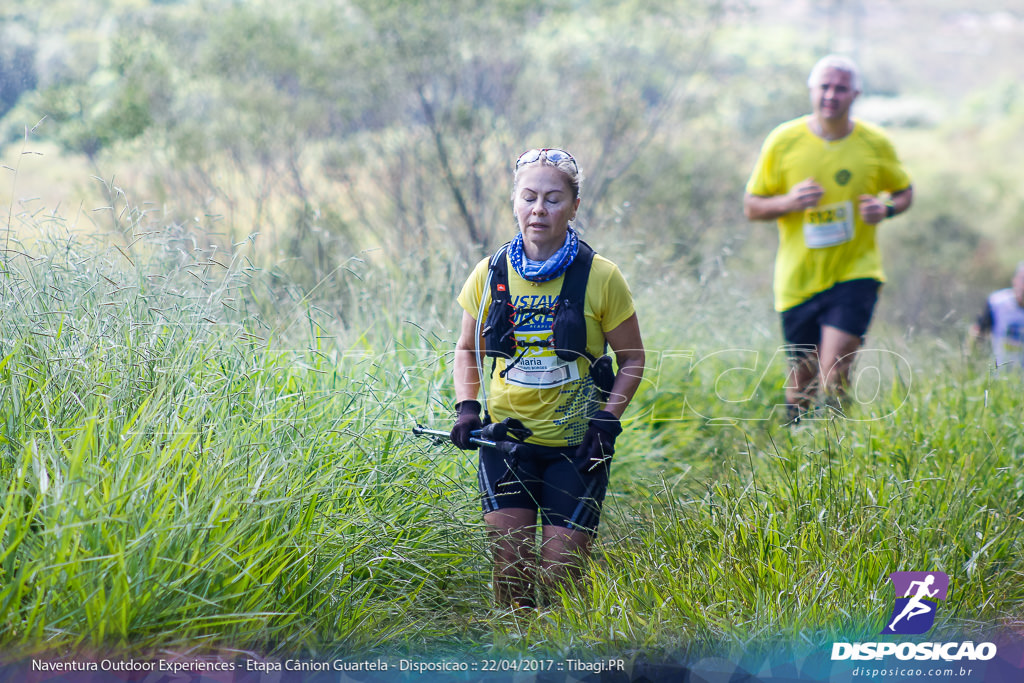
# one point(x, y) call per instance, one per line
point(329, 129)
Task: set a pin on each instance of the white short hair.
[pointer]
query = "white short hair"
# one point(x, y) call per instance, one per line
point(839, 63)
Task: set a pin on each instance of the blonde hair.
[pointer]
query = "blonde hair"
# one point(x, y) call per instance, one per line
point(570, 167)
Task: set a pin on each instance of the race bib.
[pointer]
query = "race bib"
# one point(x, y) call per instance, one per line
point(828, 225)
point(540, 368)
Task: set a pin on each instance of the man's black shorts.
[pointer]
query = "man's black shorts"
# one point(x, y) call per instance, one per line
point(847, 306)
point(554, 481)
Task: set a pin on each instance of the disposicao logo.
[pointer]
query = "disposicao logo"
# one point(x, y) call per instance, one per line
point(917, 596)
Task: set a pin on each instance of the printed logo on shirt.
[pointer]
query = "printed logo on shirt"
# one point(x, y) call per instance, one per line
point(843, 177)
point(533, 322)
point(538, 367)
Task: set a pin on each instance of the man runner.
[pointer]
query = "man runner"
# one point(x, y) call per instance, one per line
point(828, 179)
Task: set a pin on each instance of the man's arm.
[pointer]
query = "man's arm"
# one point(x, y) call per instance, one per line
point(873, 210)
point(803, 195)
point(902, 200)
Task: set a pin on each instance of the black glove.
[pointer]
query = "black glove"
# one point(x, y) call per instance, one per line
point(467, 420)
point(599, 441)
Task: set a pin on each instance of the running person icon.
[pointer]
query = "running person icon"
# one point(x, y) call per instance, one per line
point(915, 605)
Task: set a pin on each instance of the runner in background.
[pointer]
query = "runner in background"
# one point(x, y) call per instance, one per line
point(828, 180)
point(1003, 322)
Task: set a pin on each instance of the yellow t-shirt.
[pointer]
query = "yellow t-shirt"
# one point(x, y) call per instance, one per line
point(553, 398)
point(828, 243)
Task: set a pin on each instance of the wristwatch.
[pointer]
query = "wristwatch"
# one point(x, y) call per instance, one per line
point(890, 208)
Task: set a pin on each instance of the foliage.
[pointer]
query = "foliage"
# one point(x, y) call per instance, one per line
point(204, 407)
point(333, 128)
point(960, 240)
point(195, 456)
point(269, 115)
point(171, 479)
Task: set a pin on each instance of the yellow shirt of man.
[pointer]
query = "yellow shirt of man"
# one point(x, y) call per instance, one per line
point(828, 243)
point(554, 398)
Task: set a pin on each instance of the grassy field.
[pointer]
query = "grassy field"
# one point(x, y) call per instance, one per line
point(195, 457)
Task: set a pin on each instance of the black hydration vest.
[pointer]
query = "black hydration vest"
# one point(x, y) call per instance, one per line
point(569, 323)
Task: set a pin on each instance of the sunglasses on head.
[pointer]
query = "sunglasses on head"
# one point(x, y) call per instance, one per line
point(553, 155)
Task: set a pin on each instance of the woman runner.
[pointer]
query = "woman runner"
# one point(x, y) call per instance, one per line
point(561, 473)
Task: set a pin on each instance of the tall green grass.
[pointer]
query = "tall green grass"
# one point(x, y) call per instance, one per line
point(194, 455)
point(173, 477)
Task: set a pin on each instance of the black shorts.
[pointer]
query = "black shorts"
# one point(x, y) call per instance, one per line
point(847, 306)
point(547, 479)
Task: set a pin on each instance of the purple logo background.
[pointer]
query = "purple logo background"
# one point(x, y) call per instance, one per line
point(901, 582)
point(917, 596)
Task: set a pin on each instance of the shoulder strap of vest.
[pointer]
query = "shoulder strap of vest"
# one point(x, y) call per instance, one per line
point(499, 273)
point(574, 286)
point(572, 294)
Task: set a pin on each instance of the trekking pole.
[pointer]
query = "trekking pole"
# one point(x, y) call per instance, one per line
point(475, 438)
point(492, 435)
